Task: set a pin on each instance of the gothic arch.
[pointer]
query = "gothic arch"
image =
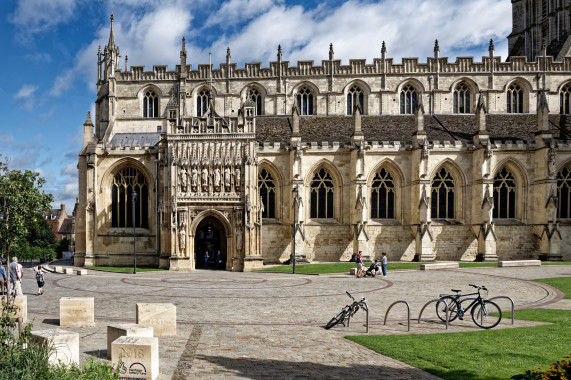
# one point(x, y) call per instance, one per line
point(263, 90)
point(304, 83)
point(527, 87)
point(337, 187)
point(465, 99)
point(521, 183)
point(469, 81)
point(202, 86)
point(563, 84)
point(366, 91)
point(141, 98)
point(515, 166)
point(414, 83)
point(260, 105)
point(210, 213)
point(278, 178)
point(107, 178)
point(149, 86)
point(460, 182)
point(392, 167)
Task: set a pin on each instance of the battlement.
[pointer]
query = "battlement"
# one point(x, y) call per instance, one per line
point(360, 67)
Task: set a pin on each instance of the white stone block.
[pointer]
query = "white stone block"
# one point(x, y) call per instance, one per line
point(352, 271)
point(139, 356)
point(82, 272)
point(519, 263)
point(21, 302)
point(439, 266)
point(65, 344)
point(160, 316)
point(77, 311)
point(126, 329)
point(68, 270)
point(59, 269)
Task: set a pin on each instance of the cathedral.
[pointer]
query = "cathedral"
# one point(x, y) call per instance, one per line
point(237, 167)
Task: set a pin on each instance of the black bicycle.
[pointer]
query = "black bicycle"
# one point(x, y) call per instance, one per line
point(348, 312)
point(485, 314)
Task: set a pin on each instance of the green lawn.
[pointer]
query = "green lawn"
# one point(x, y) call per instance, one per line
point(484, 354)
point(126, 269)
point(561, 283)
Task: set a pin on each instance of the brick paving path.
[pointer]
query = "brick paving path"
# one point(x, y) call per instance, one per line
point(264, 325)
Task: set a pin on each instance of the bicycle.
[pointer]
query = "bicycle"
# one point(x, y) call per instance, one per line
point(485, 314)
point(348, 312)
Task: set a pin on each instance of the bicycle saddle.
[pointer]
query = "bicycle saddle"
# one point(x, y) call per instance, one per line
point(456, 290)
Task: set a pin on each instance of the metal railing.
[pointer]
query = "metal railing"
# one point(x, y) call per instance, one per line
point(511, 301)
point(428, 303)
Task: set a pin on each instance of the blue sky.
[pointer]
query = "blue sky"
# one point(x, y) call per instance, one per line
point(49, 55)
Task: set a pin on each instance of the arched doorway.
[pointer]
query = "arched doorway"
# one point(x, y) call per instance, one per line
point(210, 236)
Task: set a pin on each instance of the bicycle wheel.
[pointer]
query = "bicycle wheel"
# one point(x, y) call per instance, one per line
point(486, 315)
point(336, 319)
point(452, 308)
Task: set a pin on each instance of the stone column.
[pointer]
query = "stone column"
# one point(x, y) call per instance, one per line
point(297, 205)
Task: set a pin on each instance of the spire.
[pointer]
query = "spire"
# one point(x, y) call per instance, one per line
point(279, 52)
point(543, 48)
point(491, 48)
point(88, 119)
point(419, 117)
point(481, 111)
point(126, 63)
point(331, 53)
point(228, 56)
point(383, 50)
point(183, 59)
point(111, 37)
point(295, 117)
point(87, 130)
point(436, 49)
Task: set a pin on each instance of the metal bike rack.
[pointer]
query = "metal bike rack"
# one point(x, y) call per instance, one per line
point(508, 298)
point(367, 323)
point(407, 309)
point(428, 303)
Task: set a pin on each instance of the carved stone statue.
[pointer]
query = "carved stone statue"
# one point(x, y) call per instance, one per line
point(551, 154)
point(217, 178)
point(227, 179)
point(204, 178)
point(194, 179)
point(183, 180)
point(182, 239)
point(237, 179)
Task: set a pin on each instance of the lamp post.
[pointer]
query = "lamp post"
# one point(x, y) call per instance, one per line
point(134, 196)
point(295, 194)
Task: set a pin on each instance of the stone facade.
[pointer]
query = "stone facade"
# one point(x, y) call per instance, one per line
point(440, 160)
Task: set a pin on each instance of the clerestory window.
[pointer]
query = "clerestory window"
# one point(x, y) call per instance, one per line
point(304, 100)
point(461, 98)
point(255, 96)
point(564, 192)
point(126, 182)
point(514, 98)
point(150, 104)
point(355, 96)
point(565, 100)
point(202, 102)
point(407, 99)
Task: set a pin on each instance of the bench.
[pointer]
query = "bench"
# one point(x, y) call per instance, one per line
point(519, 263)
point(439, 266)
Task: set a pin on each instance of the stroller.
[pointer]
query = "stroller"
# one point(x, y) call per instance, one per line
point(373, 269)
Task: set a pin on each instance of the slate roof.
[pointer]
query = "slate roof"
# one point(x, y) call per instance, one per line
point(402, 127)
point(123, 139)
point(66, 227)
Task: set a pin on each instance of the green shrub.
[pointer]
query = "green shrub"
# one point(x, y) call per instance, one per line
point(20, 358)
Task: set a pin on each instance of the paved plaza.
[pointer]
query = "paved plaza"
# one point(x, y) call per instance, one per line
point(270, 325)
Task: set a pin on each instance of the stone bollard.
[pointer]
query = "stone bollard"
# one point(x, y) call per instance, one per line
point(76, 311)
point(68, 270)
point(21, 302)
point(82, 272)
point(65, 345)
point(126, 329)
point(139, 356)
point(160, 316)
point(59, 269)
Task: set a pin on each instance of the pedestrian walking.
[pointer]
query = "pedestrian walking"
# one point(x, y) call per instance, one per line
point(384, 264)
point(40, 280)
point(206, 257)
point(16, 274)
point(359, 261)
point(218, 260)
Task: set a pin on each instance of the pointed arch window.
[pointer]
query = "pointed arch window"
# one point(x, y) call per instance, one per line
point(461, 98)
point(150, 104)
point(504, 195)
point(256, 97)
point(304, 100)
point(442, 196)
point(383, 195)
point(564, 193)
point(124, 183)
point(267, 187)
point(407, 99)
point(202, 102)
point(565, 100)
point(355, 96)
point(514, 97)
point(322, 191)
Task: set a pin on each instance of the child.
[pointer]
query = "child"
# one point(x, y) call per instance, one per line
point(40, 280)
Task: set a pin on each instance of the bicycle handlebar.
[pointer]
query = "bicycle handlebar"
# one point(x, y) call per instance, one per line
point(478, 287)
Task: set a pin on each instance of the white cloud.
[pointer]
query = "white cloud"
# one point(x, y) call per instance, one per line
point(233, 12)
point(63, 82)
point(26, 94)
point(70, 169)
point(35, 16)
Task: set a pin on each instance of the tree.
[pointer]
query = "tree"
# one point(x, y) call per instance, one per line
point(21, 200)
